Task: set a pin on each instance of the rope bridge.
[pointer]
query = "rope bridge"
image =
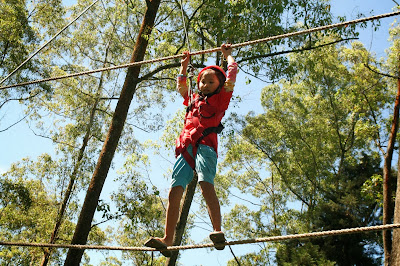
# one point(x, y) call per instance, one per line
point(208, 245)
point(268, 39)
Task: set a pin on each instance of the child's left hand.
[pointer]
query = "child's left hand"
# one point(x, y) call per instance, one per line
point(226, 49)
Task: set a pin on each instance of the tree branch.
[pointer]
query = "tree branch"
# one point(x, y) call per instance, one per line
point(7, 128)
point(293, 51)
point(19, 99)
point(380, 73)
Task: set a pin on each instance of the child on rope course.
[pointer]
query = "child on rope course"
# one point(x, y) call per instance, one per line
point(196, 147)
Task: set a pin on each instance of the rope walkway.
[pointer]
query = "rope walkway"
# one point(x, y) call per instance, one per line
point(272, 38)
point(228, 243)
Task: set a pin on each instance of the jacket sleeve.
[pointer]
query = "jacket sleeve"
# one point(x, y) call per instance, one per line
point(181, 85)
point(231, 77)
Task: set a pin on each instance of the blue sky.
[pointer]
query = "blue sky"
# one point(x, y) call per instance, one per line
point(19, 141)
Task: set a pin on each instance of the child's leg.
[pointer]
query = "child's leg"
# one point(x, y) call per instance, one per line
point(174, 200)
point(212, 201)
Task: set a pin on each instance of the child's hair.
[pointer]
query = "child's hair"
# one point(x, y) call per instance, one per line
point(219, 72)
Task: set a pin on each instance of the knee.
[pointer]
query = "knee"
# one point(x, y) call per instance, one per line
point(206, 187)
point(175, 192)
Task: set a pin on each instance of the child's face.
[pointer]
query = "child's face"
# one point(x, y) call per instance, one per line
point(208, 82)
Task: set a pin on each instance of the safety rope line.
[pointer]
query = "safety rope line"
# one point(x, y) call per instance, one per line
point(46, 43)
point(190, 68)
point(184, 26)
point(228, 243)
point(272, 38)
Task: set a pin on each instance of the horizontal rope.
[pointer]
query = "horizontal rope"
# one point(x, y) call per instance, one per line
point(228, 243)
point(277, 37)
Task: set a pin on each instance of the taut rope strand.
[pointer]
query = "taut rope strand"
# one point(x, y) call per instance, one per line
point(228, 243)
point(277, 37)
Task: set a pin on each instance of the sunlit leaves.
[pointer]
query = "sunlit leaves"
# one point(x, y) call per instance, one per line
point(314, 146)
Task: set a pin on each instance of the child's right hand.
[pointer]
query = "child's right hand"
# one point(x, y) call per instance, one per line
point(185, 59)
point(226, 49)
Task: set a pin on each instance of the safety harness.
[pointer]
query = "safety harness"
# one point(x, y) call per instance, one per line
point(198, 133)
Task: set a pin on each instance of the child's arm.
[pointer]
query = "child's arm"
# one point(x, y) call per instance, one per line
point(181, 81)
point(232, 67)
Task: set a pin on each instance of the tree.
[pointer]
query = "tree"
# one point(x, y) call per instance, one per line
point(393, 70)
point(142, 207)
point(19, 35)
point(314, 128)
point(28, 207)
point(92, 196)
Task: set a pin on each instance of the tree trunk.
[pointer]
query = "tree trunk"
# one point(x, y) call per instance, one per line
point(180, 227)
point(395, 252)
point(387, 180)
point(83, 226)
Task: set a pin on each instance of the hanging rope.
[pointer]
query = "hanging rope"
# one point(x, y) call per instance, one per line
point(228, 243)
point(45, 44)
point(190, 68)
point(268, 39)
point(184, 26)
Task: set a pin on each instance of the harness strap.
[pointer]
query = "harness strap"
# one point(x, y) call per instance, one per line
point(189, 159)
point(218, 129)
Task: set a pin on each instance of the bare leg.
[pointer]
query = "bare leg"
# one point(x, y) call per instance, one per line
point(212, 204)
point(174, 202)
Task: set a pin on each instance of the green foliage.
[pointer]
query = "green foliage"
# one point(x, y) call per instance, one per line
point(28, 209)
point(139, 202)
point(14, 193)
point(22, 28)
point(313, 146)
point(301, 253)
point(24, 223)
point(372, 189)
point(261, 258)
point(15, 34)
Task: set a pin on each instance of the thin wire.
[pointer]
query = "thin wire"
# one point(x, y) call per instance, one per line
point(184, 26)
point(209, 245)
point(237, 260)
point(45, 44)
point(190, 67)
point(277, 37)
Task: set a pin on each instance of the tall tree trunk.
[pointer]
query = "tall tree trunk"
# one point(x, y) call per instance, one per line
point(387, 179)
point(83, 226)
point(395, 252)
point(180, 227)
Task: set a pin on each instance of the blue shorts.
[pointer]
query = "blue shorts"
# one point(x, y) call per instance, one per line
point(206, 167)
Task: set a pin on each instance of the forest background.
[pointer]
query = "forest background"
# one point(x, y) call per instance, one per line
point(261, 191)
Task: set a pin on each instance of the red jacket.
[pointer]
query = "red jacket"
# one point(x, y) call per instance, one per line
point(205, 112)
